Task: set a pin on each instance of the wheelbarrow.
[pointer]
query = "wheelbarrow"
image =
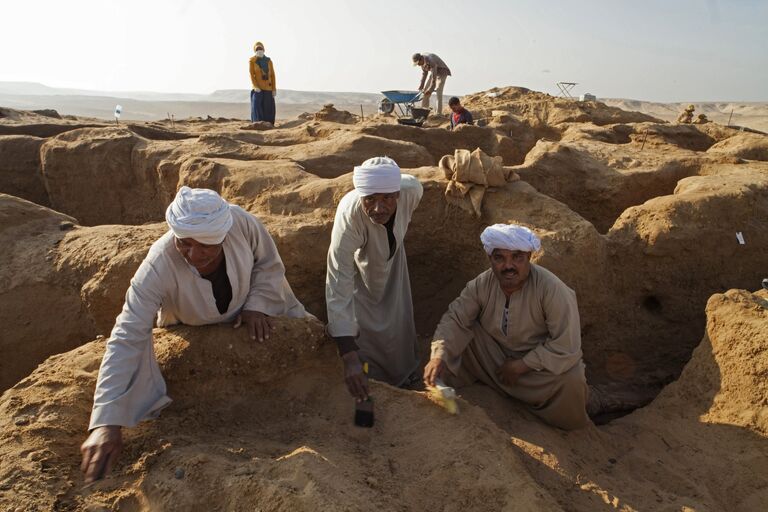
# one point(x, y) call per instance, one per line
point(407, 113)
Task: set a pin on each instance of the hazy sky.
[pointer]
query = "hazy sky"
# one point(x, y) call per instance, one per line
point(663, 50)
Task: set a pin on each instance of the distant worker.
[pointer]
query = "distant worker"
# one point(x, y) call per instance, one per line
point(701, 119)
point(434, 67)
point(216, 264)
point(516, 329)
point(459, 114)
point(367, 288)
point(264, 86)
point(686, 116)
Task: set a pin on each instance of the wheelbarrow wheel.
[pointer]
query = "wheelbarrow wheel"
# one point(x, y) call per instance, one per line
point(386, 106)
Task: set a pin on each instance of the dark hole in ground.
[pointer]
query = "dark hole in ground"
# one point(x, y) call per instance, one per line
point(652, 304)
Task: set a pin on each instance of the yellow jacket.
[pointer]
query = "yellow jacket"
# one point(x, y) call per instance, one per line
point(257, 78)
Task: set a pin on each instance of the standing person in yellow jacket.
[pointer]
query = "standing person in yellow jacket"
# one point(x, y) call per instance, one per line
point(264, 88)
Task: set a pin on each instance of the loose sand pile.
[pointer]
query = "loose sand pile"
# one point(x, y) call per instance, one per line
point(268, 427)
point(258, 427)
point(638, 216)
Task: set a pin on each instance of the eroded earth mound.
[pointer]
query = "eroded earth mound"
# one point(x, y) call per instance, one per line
point(638, 216)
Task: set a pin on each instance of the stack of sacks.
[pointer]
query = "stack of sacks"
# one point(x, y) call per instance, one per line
point(470, 174)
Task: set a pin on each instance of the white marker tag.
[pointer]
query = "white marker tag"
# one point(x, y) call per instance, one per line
point(740, 238)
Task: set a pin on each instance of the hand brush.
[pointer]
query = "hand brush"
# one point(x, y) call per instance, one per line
point(364, 409)
point(444, 396)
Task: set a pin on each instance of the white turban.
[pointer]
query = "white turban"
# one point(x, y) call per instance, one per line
point(378, 175)
point(200, 214)
point(510, 237)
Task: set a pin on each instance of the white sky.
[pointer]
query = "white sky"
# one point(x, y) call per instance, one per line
point(663, 50)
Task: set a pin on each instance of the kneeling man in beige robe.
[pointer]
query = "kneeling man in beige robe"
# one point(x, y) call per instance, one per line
point(515, 328)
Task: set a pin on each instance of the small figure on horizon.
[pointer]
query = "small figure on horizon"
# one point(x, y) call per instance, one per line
point(686, 116)
point(459, 115)
point(701, 119)
point(264, 88)
point(438, 72)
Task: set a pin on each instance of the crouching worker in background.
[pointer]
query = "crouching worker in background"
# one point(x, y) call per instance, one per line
point(216, 264)
point(515, 328)
point(459, 115)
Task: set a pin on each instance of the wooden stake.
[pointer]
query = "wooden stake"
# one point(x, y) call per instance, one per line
point(729, 118)
point(362, 117)
point(644, 137)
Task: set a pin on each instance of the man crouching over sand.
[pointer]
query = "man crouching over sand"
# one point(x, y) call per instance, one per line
point(515, 328)
point(216, 264)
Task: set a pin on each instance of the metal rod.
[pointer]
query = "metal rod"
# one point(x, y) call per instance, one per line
point(644, 137)
point(362, 117)
point(729, 117)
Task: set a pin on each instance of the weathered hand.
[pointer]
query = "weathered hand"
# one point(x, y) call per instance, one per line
point(256, 89)
point(511, 370)
point(355, 378)
point(100, 451)
point(433, 370)
point(259, 325)
point(274, 93)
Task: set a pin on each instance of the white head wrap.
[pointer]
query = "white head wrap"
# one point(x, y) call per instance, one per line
point(200, 214)
point(510, 237)
point(378, 175)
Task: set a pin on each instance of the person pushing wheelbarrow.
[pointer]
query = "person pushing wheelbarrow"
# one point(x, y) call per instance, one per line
point(438, 71)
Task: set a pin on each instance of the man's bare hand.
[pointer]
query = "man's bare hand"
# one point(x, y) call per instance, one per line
point(259, 325)
point(433, 370)
point(511, 370)
point(100, 452)
point(355, 378)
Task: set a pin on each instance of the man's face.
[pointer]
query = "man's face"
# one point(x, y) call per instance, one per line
point(456, 108)
point(380, 207)
point(196, 254)
point(511, 268)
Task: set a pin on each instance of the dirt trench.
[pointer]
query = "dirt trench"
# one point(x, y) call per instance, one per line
point(587, 195)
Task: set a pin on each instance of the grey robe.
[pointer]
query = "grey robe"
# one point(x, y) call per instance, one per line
point(367, 293)
point(130, 387)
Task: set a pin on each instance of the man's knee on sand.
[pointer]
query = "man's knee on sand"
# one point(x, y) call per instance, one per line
point(570, 413)
point(564, 408)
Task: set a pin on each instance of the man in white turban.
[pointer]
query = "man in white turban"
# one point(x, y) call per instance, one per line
point(516, 328)
point(216, 264)
point(367, 290)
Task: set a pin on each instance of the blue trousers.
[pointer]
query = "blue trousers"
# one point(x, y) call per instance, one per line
point(262, 106)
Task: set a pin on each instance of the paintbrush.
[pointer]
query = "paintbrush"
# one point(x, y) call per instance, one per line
point(364, 409)
point(444, 396)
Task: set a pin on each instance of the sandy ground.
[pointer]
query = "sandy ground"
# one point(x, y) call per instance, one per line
point(638, 216)
point(752, 115)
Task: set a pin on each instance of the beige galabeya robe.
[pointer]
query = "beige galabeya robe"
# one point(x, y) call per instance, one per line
point(368, 294)
point(542, 329)
point(130, 387)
